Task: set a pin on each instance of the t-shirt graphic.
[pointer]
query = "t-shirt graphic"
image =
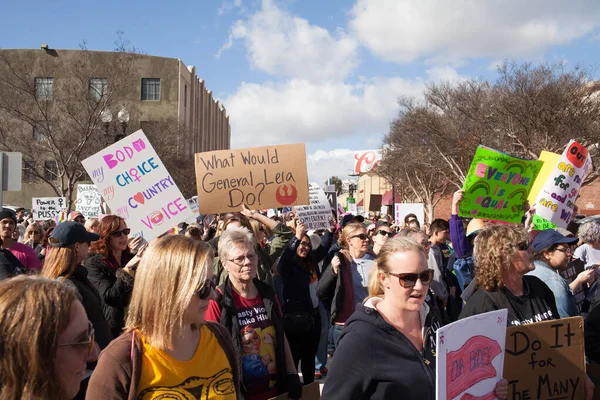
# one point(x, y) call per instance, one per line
point(258, 348)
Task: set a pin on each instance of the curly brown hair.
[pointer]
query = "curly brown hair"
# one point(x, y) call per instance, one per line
point(495, 248)
point(107, 225)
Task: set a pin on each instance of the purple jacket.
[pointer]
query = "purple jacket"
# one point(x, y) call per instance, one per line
point(458, 237)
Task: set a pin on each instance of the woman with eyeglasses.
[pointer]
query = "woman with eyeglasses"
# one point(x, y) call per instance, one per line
point(249, 310)
point(34, 236)
point(345, 281)
point(299, 269)
point(168, 350)
point(110, 267)
point(46, 339)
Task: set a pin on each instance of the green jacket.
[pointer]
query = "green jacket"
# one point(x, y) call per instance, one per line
point(266, 257)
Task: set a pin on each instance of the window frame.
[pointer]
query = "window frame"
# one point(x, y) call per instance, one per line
point(149, 83)
point(44, 82)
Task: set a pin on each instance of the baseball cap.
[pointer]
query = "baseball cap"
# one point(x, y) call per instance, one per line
point(350, 217)
point(70, 232)
point(549, 237)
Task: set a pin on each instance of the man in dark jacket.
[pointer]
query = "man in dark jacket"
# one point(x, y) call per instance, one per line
point(9, 264)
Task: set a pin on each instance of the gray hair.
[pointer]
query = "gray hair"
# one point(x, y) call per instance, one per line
point(590, 232)
point(231, 237)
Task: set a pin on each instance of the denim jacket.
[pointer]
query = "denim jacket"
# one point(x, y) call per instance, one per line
point(565, 299)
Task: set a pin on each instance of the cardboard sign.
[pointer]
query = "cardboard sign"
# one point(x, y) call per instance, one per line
point(88, 201)
point(470, 356)
point(44, 208)
point(556, 199)
point(260, 177)
point(546, 360)
point(137, 186)
point(309, 392)
point(403, 209)
point(318, 214)
point(366, 161)
point(497, 185)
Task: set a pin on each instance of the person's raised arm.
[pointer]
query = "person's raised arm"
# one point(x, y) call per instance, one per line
point(255, 215)
point(458, 236)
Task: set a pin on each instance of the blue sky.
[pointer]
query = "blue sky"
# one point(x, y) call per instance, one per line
point(323, 72)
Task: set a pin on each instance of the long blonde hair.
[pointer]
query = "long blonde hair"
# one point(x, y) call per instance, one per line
point(171, 271)
point(60, 261)
point(392, 246)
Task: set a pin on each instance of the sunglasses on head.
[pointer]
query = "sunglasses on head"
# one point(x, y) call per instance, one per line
point(207, 287)
point(523, 246)
point(384, 233)
point(125, 232)
point(409, 280)
point(362, 236)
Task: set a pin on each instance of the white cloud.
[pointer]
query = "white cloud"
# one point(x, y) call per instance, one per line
point(227, 6)
point(407, 30)
point(288, 46)
point(301, 111)
point(325, 164)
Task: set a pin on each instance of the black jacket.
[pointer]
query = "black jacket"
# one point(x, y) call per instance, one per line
point(90, 298)
point(10, 265)
point(296, 279)
point(229, 319)
point(374, 360)
point(592, 331)
point(114, 289)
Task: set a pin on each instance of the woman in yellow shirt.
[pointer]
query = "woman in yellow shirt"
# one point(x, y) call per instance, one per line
point(167, 348)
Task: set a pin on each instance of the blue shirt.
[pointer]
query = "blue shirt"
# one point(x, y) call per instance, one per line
point(563, 295)
point(360, 277)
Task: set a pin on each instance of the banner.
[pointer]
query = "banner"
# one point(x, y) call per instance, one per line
point(88, 201)
point(137, 186)
point(470, 356)
point(44, 208)
point(260, 177)
point(556, 199)
point(546, 360)
point(366, 161)
point(497, 185)
point(403, 209)
point(318, 214)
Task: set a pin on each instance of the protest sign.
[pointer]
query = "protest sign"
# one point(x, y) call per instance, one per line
point(317, 215)
point(574, 268)
point(366, 161)
point(88, 201)
point(352, 208)
point(403, 209)
point(550, 160)
point(556, 199)
point(137, 186)
point(193, 203)
point(546, 360)
point(332, 199)
point(497, 185)
point(260, 177)
point(44, 208)
point(470, 356)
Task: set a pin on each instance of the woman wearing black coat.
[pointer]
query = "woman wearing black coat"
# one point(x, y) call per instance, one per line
point(298, 268)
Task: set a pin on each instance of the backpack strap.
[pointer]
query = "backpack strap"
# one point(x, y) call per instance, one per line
point(500, 301)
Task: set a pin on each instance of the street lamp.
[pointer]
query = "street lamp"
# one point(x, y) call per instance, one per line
point(123, 116)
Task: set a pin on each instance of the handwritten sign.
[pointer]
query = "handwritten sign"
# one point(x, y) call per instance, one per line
point(137, 186)
point(556, 199)
point(497, 185)
point(260, 177)
point(88, 201)
point(318, 214)
point(470, 356)
point(366, 161)
point(44, 208)
point(546, 360)
point(550, 160)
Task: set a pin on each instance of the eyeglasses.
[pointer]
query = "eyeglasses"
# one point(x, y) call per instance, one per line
point(89, 342)
point(207, 287)
point(362, 236)
point(384, 233)
point(409, 280)
point(121, 232)
point(305, 244)
point(523, 246)
point(564, 249)
point(240, 260)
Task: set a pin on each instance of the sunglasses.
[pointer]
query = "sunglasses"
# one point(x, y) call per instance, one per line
point(90, 342)
point(384, 233)
point(207, 287)
point(362, 236)
point(409, 280)
point(121, 232)
point(523, 246)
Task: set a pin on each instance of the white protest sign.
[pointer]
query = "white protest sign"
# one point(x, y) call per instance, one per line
point(352, 208)
point(44, 208)
point(470, 356)
point(88, 200)
point(318, 214)
point(557, 197)
point(403, 209)
point(193, 203)
point(137, 186)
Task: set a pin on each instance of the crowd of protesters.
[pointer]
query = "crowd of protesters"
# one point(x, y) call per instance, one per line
point(234, 306)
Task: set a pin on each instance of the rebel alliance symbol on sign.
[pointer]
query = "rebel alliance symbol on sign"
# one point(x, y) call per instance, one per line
point(283, 195)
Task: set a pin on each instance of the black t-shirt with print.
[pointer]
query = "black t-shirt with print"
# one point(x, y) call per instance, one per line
point(537, 303)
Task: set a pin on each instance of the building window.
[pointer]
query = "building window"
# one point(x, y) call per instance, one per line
point(98, 88)
point(43, 88)
point(185, 95)
point(50, 170)
point(150, 88)
point(39, 131)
